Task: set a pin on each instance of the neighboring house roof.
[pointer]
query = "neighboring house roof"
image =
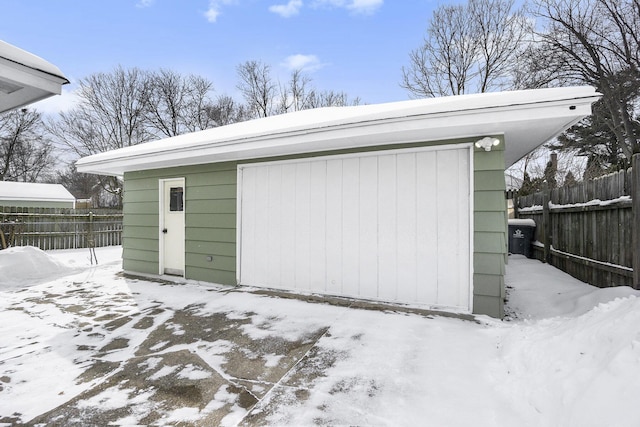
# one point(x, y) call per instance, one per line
point(526, 118)
point(26, 78)
point(28, 191)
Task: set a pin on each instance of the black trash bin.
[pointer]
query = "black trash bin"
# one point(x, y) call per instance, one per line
point(521, 232)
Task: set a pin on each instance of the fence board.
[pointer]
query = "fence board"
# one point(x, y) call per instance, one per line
point(56, 228)
point(634, 185)
point(589, 228)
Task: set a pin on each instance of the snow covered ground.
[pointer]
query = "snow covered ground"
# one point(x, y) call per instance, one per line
point(78, 336)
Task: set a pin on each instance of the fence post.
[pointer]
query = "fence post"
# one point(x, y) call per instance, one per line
point(635, 226)
point(546, 223)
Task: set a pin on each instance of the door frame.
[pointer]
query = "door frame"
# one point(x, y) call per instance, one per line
point(468, 146)
point(161, 217)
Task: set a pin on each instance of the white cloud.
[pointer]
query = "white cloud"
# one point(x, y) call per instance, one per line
point(365, 6)
point(302, 62)
point(214, 10)
point(356, 6)
point(144, 3)
point(287, 10)
point(212, 14)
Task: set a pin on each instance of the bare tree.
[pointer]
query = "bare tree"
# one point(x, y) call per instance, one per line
point(257, 87)
point(597, 42)
point(503, 33)
point(330, 98)
point(468, 48)
point(25, 149)
point(177, 104)
point(225, 111)
point(296, 94)
point(111, 114)
point(299, 94)
point(265, 96)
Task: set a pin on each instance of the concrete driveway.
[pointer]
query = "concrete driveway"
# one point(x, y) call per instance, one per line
point(100, 348)
point(171, 369)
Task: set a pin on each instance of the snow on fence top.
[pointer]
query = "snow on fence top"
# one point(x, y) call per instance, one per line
point(613, 188)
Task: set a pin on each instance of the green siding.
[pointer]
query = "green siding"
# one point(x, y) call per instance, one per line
point(489, 201)
point(140, 254)
point(214, 206)
point(488, 181)
point(489, 221)
point(210, 220)
point(148, 232)
point(210, 248)
point(205, 275)
point(136, 266)
point(224, 235)
point(222, 191)
point(139, 220)
point(219, 262)
point(490, 231)
point(489, 243)
point(484, 304)
point(485, 284)
point(143, 244)
point(486, 263)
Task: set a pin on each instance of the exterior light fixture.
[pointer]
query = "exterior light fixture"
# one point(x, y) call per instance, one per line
point(487, 143)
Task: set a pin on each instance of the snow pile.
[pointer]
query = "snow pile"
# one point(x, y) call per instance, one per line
point(24, 265)
point(539, 291)
point(577, 371)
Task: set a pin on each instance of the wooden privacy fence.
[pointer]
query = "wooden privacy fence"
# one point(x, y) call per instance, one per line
point(590, 230)
point(54, 228)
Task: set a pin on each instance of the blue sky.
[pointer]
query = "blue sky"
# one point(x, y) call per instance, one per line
point(355, 46)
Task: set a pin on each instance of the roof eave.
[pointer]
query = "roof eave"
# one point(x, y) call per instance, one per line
point(29, 78)
point(547, 118)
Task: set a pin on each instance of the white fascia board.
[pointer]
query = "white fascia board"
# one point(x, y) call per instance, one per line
point(526, 119)
point(32, 77)
point(29, 77)
point(33, 85)
point(26, 59)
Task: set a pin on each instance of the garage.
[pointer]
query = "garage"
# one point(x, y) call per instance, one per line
point(385, 225)
point(401, 202)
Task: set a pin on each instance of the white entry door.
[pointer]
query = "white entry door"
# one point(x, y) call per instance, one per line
point(172, 226)
point(390, 226)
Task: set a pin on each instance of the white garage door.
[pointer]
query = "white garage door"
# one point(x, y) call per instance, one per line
point(391, 226)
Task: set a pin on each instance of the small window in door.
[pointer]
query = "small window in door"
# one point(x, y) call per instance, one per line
point(176, 201)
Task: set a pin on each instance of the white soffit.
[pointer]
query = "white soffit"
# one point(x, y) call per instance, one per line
point(26, 78)
point(526, 119)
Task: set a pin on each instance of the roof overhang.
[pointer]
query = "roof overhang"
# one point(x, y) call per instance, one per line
point(34, 192)
point(26, 78)
point(526, 119)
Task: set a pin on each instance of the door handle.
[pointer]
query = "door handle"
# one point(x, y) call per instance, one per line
point(164, 230)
